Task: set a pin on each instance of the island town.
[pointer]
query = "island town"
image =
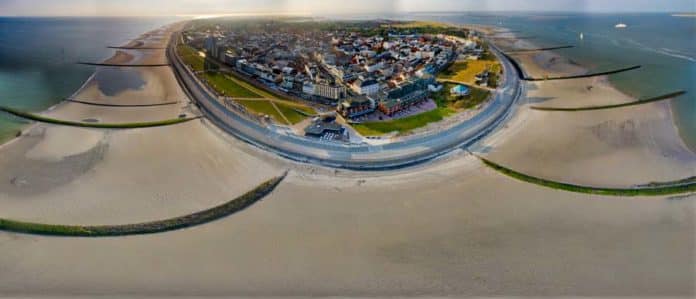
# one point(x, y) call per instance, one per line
point(342, 81)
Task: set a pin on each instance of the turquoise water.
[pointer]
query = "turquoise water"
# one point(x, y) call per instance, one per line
point(38, 55)
point(663, 44)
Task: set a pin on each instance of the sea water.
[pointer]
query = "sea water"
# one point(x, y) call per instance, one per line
point(38, 55)
point(38, 58)
point(664, 44)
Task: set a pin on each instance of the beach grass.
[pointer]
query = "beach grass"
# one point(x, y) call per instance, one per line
point(134, 125)
point(652, 189)
point(238, 204)
point(228, 87)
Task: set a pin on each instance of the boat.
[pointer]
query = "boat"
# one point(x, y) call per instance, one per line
point(582, 36)
point(621, 25)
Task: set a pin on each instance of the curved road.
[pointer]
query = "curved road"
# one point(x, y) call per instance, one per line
point(402, 153)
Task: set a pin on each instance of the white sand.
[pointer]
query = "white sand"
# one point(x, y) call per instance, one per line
point(65, 140)
point(613, 148)
point(452, 227)
point(470, 232)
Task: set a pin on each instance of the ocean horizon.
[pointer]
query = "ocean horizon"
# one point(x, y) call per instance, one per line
point(38, 55)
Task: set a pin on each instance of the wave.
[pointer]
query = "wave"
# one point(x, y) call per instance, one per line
point(677, 54)
point(663, 51)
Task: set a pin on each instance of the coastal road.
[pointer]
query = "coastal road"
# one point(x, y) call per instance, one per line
point(406, 152)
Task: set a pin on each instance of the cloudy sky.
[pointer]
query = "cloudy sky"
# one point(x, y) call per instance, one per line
point(216, 7)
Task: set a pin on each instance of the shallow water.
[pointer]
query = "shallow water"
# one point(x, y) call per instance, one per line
point(113, 81)
point(663, 44)
point(38, 59)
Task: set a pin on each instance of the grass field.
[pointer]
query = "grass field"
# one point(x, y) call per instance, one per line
point(291, 113)
point(447, 105)
point(191, 57)
point(466, 71)
point(228, 87)
point(288, 108)
point(444, 99)
point(262, 107)
point(403, 125)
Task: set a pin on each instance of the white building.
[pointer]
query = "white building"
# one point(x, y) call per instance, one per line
point(366, 86)
point(335, 92)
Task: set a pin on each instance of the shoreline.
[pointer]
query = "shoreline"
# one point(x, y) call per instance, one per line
point(449, 227)
point(606, 80)
point(608, 146)
point(118, 57)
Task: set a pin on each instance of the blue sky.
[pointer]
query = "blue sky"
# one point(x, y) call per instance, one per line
point(201, 7)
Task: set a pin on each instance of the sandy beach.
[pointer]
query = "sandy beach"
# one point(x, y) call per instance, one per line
point(452, 227)
point(615, 147)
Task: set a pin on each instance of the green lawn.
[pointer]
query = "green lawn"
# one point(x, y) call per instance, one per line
point(190, 56)
point(227, 87)
point(403, 125)
point(291, 113)
point(447, 105)
point(443, 98)
point(466, 71)
point(262, 107)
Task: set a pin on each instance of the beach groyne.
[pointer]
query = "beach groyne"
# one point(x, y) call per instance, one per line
point(584, 75)
point(664, 188)
point(540, 49)
point(122, 105)
point(123, 65)
point(602, 107)
point(236, 205)
point(134, 125)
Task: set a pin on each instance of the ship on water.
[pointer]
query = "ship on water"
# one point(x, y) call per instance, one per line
point(621, 26)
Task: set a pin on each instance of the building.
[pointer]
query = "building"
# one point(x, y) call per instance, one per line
point(321, 128)
point(308, 87)
point(435, 87)
point(211, 47)
point(460, 90)
point(355, 107)
point(365, 86)
point(373, 67)
point(411, 93)
point(331, 91)
point(389, 106)
point(482, 78)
